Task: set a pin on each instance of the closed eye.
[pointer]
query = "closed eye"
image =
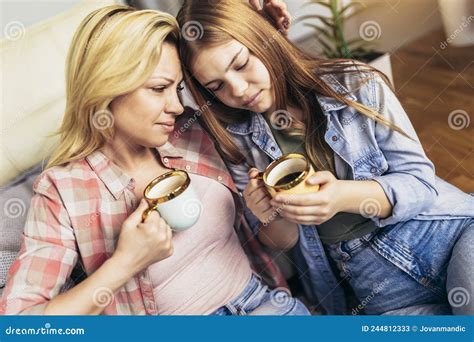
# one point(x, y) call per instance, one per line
point(243, 65)
point(158, 89)
point(221, 85)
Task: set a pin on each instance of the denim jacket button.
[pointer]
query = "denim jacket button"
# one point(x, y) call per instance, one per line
point(373, 170)
point(334, 138)
point(272, 148)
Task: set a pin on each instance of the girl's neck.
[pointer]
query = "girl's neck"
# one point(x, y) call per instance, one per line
point(295, 111)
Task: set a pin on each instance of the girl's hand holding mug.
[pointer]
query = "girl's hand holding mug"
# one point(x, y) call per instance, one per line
point(313, 207)
point(257, 198)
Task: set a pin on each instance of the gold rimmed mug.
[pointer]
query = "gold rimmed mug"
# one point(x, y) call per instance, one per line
point(172, 195)
point(288, 174)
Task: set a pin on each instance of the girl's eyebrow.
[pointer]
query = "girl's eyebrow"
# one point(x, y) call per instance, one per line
point(230, 64)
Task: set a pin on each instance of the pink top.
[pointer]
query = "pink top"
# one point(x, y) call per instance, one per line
point(208, 267)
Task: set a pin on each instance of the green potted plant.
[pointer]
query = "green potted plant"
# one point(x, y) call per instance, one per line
point(332, 36)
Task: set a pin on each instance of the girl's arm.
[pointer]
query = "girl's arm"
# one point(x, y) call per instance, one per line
point(403, 191)
point(361, 197)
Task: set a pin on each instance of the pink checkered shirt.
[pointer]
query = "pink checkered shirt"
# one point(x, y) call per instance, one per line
point(75, 218)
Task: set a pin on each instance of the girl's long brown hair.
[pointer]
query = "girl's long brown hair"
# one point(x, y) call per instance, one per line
point(296, 76)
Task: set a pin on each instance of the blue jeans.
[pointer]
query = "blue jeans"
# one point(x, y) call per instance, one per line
point(382, 285)
point(258, 299)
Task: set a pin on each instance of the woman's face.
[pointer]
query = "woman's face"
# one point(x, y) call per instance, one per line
point(237, 77)
point(146, 116)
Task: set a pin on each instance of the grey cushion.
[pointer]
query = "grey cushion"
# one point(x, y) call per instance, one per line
point(15, 200)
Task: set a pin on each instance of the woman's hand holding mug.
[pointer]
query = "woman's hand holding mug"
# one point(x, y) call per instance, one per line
point(141, 244)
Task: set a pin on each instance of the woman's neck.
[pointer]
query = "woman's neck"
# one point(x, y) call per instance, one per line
point(126, 155)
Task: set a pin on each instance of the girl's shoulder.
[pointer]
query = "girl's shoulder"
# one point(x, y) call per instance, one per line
point(363, 85)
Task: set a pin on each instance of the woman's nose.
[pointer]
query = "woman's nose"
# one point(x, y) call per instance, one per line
point(174, 105)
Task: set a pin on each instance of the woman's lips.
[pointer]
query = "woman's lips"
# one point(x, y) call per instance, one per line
point(253, 100)
point(166, 126)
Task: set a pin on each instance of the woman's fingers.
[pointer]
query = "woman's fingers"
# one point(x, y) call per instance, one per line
point(255, 4)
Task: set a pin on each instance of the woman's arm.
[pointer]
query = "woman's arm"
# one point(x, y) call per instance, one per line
point(92, 295)
point(139, 245)
point(48, 255)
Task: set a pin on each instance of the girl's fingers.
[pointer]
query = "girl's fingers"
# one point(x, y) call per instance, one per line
point(309, 219)
point(317, 198)
point(301, 211)
point(260, 197)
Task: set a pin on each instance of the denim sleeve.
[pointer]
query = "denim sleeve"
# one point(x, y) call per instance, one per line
point(409, 182)
point(239, 174)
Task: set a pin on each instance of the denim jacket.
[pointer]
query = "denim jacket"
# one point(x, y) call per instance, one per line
point(363, 149)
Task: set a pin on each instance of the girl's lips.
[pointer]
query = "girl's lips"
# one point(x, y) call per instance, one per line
point(253, 100)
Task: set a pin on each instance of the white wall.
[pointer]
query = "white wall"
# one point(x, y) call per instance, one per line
point(397, 21)
point(29, 12)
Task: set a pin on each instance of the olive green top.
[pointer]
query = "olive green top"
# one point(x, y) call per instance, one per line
point(342, 226)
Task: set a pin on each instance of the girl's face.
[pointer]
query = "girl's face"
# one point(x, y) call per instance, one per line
point(146, 116)
point(235, 76)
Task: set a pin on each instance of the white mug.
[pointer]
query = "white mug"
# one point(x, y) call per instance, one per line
point(172, 195)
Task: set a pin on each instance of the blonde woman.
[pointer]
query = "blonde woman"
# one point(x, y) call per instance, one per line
point(123, 85)
point(382, 225)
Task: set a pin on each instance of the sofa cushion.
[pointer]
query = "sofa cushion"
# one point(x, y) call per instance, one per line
point(15, 200)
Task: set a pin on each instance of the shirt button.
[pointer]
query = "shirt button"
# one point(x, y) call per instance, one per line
point(373, 170)
point(334, 138)
point(188, 167)
point(165, 160)
point(219, 178)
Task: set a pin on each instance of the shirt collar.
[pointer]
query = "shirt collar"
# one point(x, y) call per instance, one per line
point(109, 173)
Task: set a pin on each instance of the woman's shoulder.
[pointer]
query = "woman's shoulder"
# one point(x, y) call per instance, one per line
point(69, 173)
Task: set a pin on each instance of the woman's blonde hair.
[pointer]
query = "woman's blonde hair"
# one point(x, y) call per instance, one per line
point(296, 76)
point(113, 52)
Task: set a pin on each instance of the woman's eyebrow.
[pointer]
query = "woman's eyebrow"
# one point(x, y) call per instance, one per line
point(230, 64)
point(170, 80)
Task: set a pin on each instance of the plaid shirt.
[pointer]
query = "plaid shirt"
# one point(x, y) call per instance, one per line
point(75, 219)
